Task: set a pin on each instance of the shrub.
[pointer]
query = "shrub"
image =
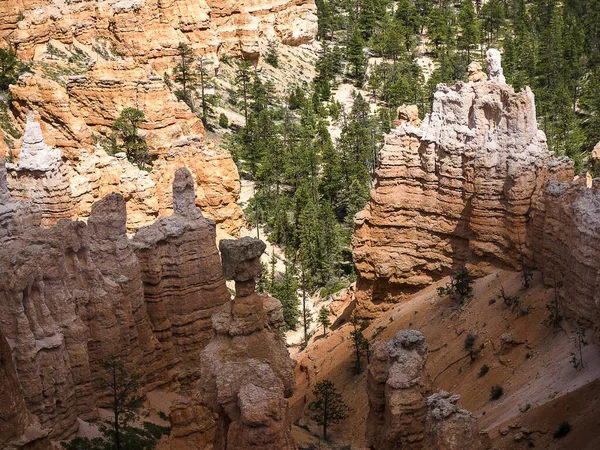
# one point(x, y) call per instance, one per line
point(497, 392)
point(223, 121)
point(562, 431)
point(484, 370)
point(459, 288)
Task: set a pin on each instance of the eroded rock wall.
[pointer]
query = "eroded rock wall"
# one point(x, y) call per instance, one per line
point(151, 30)
point(72, 117)
point(461, 189)
point(74, 294)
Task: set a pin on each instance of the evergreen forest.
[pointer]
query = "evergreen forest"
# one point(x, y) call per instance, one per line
point(308, 186)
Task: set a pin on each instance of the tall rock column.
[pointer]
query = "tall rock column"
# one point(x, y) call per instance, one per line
point(247, 371)
point(401, 415)
point(459, 189)
point(40, 176)
point(396, 386)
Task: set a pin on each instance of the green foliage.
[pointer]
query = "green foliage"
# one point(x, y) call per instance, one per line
point(272, 56)
point(126, 129)
point(132, 438)
point(470, 346)
point(286, 291)
point(483, 371)
point(496, 392)
point(554, 318)
point(223, 121)
point(360, 344)
point(10, 69)
point(459, 288)
point(563, 429)
point(185, 73)
point(580, 342)
point(323, 319)
point(119, 433)
point(328, 408)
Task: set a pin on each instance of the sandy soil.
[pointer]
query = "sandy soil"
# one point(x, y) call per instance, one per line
point(535, 372)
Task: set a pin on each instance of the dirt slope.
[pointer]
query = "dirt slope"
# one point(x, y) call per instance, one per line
point(534, 370)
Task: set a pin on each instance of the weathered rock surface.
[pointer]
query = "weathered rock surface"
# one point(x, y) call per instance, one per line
point(396, 385)
point(461, 189)
point(40, 177)
point(240, 400)
point(73, 294)
point(70, 116)
point(151, 30)
point(401, 416)
point(449, 426)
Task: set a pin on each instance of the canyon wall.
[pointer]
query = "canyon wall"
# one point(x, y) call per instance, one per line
point(150, 30)
point(74, 117)
point(74, 294)
point(475, 185)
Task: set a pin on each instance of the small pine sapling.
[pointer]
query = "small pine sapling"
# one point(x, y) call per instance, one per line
point(580, 342)
point(459, 288)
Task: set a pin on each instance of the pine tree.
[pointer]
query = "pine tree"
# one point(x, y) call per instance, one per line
point(286, 291)
point(243, 78)
point(356, 56)
point(324, 319)
point(126, 128)
point(185, 73)
point(328, 408)
point(469, 28)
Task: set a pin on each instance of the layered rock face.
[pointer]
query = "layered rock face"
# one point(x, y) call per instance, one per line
point(72, 116)
point(40, 177)
point(462, 188)
point(401, 416)
point(74, 294)
point(151, 30)
point(240, 401)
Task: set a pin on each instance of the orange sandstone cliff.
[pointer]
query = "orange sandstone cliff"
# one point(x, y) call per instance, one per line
point(475, 185)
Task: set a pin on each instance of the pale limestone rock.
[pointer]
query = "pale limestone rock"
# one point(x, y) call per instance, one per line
point(457, 190)
point(493, 59)
point(449, 426)
point(35, 155)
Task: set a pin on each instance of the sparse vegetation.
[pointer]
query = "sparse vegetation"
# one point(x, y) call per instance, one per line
point(459, 288)
point(483, 371)
point(580, 342)
point(328, 408)
point(10, 69)
point(223, 121)
point(126, 129)
point(563, 429)
point(119, 433)
point(360, 344)
point(272, 56)
point(554, 318)
point(324, 319)
point(496, 392)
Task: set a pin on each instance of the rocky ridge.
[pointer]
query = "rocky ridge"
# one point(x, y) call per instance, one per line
point(73, 116)
point(475, 185)
point(150, 31)
point(73, 294)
